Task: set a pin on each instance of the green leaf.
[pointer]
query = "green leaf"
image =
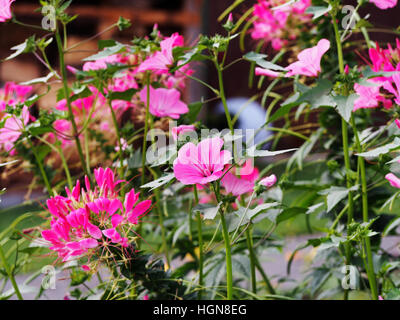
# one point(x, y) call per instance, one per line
point(194, 110)
point(335, 195)
point(159, 182)
point(208, 211)
point(106, 52)
point(305, 149)
point(319, 95)
point(123, 95)
point(290, 213)
point(252, 152)
point(286, 106)
point(318, 11)
point(381, 150)
point(345, 105)
point(259, 60)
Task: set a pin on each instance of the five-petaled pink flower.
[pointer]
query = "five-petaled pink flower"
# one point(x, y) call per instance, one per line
point(203, 163)
point(5, 10)
point(384, 4)
point(164, 102)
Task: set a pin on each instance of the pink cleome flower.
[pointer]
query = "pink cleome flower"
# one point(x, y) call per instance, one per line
point(87, 220)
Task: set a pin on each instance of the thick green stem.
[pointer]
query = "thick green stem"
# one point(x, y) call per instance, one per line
point(200, 238)
point(364, 196)
point(68, 100)
point(10, 274)
point(345, 142)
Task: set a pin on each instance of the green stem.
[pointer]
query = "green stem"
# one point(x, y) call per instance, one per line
point(200, 238)
point(68, 100)
point(222, 96)
point(270, 288)
point(10, 274)
point(345, 142)
point(146, 128)
point(364, 196)
point(42, 171)
point(120, 151)
point(63, 161)
point(249, 239)
point(229, 278)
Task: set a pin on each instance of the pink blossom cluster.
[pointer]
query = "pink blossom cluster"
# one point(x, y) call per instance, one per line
point(275, 25)
point(371, 95)
point(11, 95)
point(89, 221)
point(164, 101)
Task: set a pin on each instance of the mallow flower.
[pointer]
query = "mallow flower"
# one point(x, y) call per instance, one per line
point(308, 64)
point(5, 10)
point(164, 102)
point(384, 4)
point(203, 163)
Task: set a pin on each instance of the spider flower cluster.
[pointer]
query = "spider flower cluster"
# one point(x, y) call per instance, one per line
point(90, 221)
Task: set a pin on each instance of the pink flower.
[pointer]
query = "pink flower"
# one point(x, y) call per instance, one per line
point(397, 121)
point(164, 102)
point(13, 128)
point(243, 182)
point(369, 97)
point(5, 10)
point(235, 185)
point(393, 180)
point(203, 163)
point(176, 131)
point(309, 63)
point(384, 4)
point(87, 221)
point(161, 60)
point(394, 90)
point(269, 181)
point(102, 63)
